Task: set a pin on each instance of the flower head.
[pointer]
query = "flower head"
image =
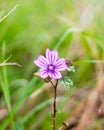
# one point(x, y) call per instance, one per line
point(50, 66)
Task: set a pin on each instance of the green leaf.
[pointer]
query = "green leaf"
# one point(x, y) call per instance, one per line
point(67, 82)
point(71, 69)
point(51, 114)
point(58, 111)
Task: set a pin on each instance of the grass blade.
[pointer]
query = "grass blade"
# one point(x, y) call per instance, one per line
point(5, 87)
point(5, 16)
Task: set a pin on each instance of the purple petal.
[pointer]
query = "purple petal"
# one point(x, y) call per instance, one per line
point(55, 75)
point(61, 65)
point(41, 61)
point(43, 73)
point(51, 56)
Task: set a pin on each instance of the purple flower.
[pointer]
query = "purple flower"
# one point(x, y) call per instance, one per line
point(50, 65)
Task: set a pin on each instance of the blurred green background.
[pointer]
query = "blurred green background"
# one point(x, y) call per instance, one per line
point(74, 28)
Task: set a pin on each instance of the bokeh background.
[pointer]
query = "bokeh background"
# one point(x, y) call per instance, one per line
point(27, 28)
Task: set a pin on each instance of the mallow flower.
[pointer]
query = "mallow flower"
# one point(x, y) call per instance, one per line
point(50, 66)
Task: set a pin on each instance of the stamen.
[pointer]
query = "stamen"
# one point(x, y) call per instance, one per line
point(51, 67)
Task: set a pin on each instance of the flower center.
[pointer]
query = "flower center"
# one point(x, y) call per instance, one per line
point(51, 67)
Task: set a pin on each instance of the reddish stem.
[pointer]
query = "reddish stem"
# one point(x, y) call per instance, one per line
point(54, 104)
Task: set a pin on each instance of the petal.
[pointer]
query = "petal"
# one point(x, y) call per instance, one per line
point(61, 65)
point(43, 73)
point(41, 61)
point(51, 56)
point(55, 75)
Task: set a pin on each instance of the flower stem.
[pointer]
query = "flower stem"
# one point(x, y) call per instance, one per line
point(54, 109)
point(54, 104)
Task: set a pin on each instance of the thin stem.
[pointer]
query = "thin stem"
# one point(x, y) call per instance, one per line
point(54, 104)
point(52, 83)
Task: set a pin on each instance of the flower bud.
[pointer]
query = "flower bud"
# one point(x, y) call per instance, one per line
point(48, 79)
point(68, 63)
